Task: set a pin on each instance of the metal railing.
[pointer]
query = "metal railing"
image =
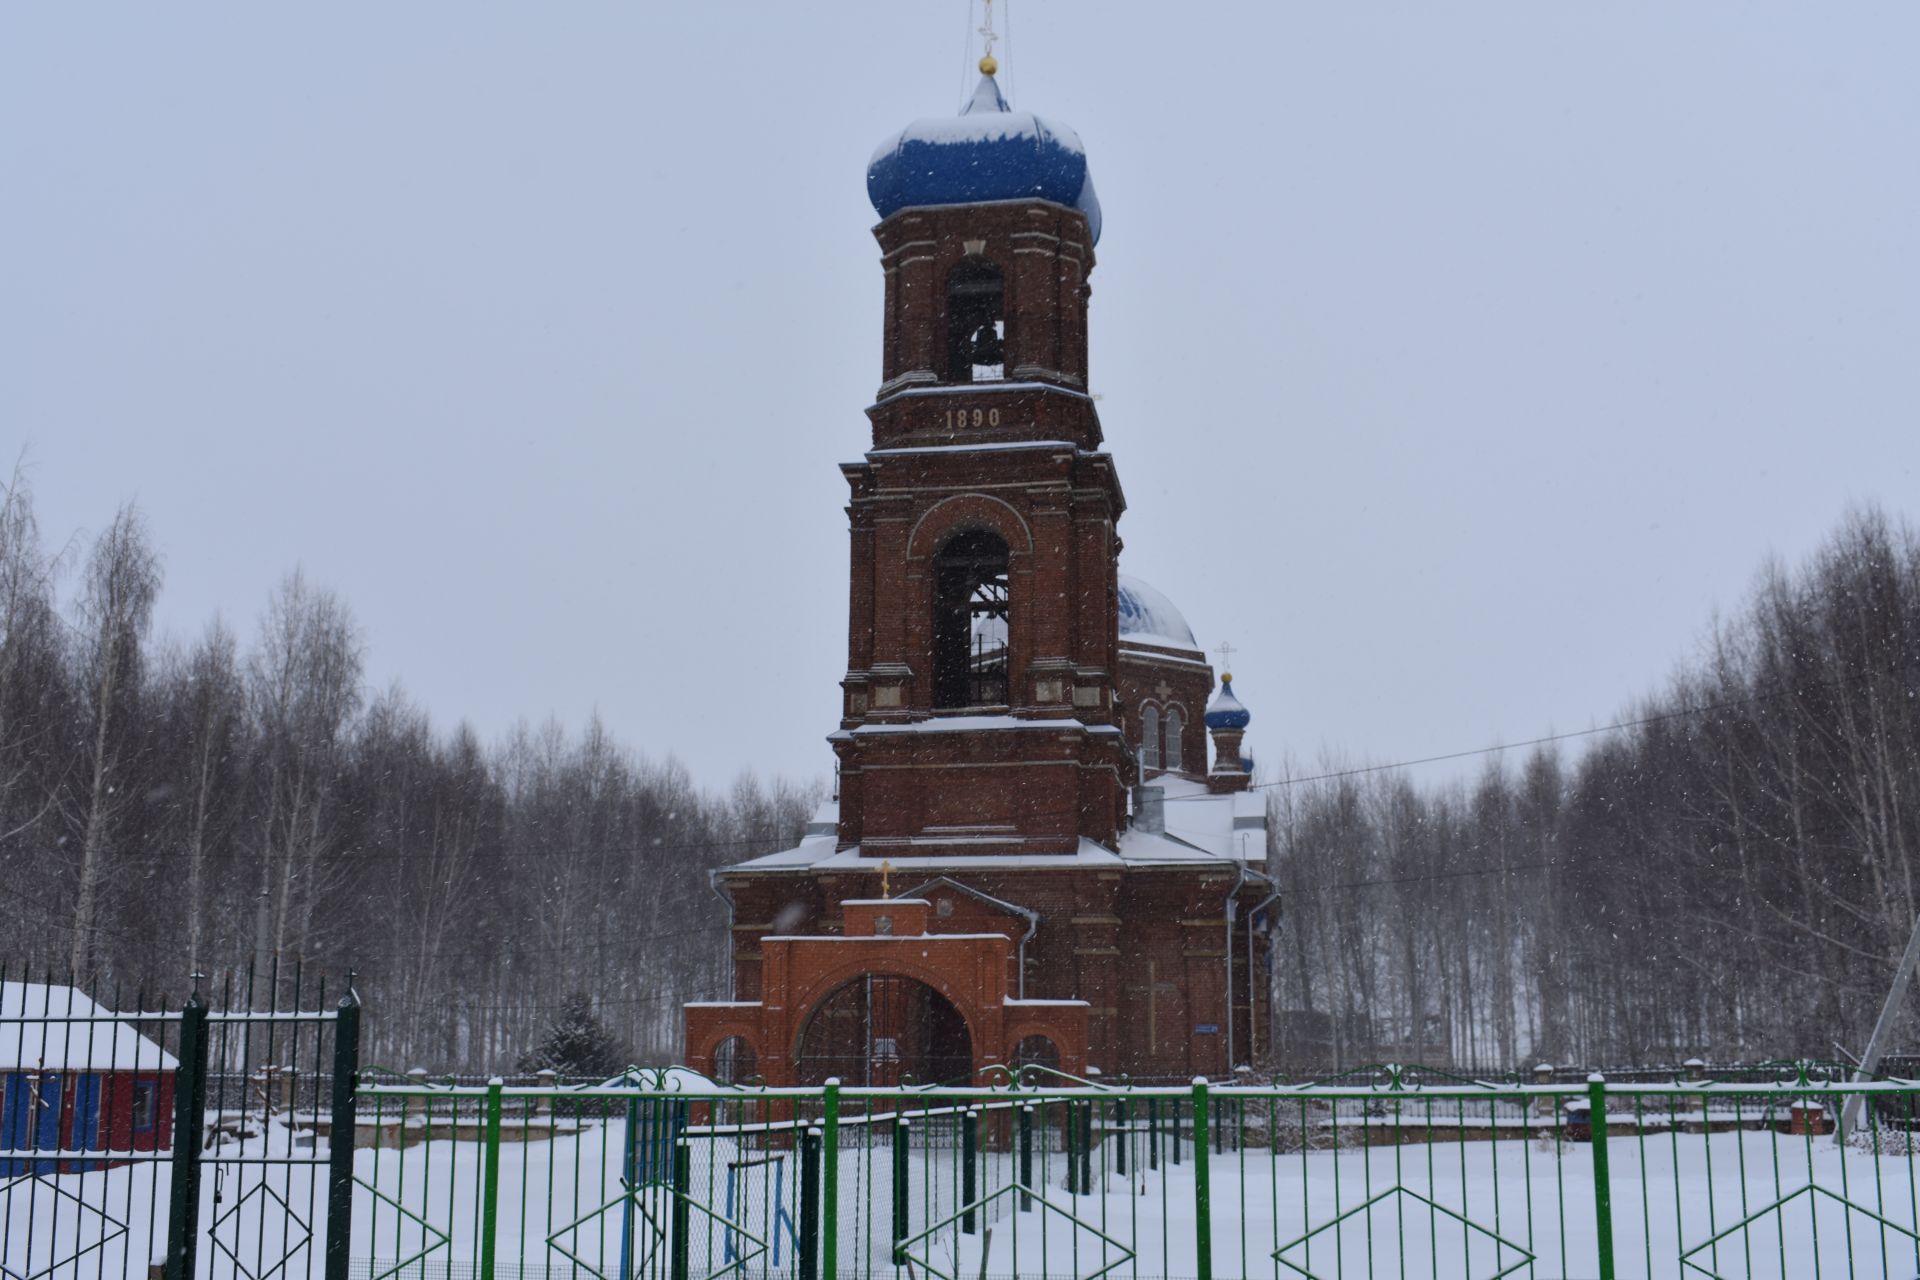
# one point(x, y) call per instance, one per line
point(665, 1176)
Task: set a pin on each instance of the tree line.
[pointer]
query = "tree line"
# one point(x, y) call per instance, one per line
point(1734, 875)
point(222, 802)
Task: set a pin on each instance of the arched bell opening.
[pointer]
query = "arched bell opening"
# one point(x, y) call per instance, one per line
point(970, 621)
point(883, 1029)
point(976, 322)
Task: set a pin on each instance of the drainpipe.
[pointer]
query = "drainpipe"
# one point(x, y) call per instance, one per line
point(1233, 906)
point(1020, 981)
point(1253, 1017)
point(713, 882)
point(1031, 916)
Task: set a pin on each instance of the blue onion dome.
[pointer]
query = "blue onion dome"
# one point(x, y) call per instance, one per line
point(1225, 711)
point(987, 152)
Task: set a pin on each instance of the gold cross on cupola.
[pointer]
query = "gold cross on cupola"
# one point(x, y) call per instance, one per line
point(1226, 655)
point(988, 64)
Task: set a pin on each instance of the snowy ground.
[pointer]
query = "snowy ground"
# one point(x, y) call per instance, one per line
point(1384, 1211)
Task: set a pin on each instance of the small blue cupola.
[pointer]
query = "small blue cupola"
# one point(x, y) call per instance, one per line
point(1226, 711)
point(987, 152)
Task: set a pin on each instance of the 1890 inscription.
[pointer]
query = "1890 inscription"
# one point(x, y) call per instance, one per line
point(960, 419)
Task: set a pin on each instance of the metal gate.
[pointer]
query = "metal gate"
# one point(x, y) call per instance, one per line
point(882, 1029)
point(204, 1139)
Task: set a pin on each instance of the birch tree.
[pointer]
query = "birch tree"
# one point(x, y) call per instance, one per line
point(116, 606)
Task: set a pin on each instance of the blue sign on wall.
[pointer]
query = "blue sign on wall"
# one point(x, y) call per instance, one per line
point(1207, 1029)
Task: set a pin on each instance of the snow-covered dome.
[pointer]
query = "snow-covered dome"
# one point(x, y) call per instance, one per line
point(987, 152)
point(1148, 617)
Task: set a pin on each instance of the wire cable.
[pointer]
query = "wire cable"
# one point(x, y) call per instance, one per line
point(1643, 721)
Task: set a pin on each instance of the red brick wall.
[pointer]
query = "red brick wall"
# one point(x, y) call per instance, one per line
point(1144, 947)
point(1143, 671)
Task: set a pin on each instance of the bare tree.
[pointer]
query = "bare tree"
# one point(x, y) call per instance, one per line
point(116, 606)
point(205, 723)
point(303, 687)
point(36, 717)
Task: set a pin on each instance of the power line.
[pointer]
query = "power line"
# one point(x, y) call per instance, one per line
point(1664, 716)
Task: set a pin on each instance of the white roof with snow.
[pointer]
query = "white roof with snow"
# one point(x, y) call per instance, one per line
point(1200, 828)
point(59, 1028)
point(1231, 826)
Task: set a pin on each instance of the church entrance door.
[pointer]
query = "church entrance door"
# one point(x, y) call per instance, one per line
point(882, 1029)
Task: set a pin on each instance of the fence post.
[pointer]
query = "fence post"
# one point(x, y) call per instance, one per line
point(682, 1207)
point(490, 1180)
point(809, 1205)
point(830, 1182)
point(1086, 1147)
point(340, 1137)
point(900, 1190)
point(1602, 1184)
point(189, 1127)
point(1126, 1137)
point(629, 1163)
point(1202, 1186)
point(1068, 1137)
point(969, 1142)
point(1026, 1157)
point(1153, 1134)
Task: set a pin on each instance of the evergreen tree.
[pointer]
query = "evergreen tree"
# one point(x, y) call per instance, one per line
point(576, 1044)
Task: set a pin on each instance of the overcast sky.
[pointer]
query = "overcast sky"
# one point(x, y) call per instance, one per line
point(1459, 360)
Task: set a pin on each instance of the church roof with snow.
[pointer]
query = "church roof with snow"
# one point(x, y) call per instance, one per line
point(1148, 617)
point(1201, 827)
point(987, 152)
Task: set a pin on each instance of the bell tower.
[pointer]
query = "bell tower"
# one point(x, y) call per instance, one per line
point(979, 712)
point(975, 894)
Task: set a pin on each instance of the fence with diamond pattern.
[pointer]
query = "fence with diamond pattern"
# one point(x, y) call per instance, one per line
point(1384, 1172)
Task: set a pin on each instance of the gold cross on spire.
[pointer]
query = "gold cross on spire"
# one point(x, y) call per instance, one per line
point(1226, 657)
point(988, 64)
point(886, 875)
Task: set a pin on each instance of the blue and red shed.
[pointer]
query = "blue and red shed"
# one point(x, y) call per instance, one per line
point(75, 1077)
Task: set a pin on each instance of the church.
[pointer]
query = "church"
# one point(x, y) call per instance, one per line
point(1029, 859)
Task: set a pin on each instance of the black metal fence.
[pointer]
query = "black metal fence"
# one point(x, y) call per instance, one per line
point(196, 1138)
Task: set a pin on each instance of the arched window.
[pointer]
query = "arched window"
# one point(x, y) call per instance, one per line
point(970, 621)
point(1150, 737)
point(1176, 724)
point(976, 322)
point(1036, 1051)
point(734, 1061)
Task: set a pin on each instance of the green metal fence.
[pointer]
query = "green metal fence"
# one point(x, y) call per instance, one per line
point(1386, 1172)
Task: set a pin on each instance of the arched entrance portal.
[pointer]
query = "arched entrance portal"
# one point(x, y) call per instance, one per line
point(882, 1029)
